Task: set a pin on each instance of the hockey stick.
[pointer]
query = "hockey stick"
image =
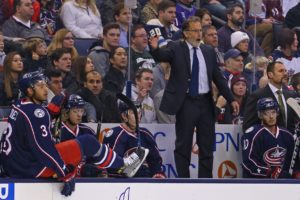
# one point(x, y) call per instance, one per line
point(98, 133)
point(131, 105)
point(293, 103)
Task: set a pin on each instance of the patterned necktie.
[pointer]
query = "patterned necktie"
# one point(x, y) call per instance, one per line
point(193, 88)
point(281, 105)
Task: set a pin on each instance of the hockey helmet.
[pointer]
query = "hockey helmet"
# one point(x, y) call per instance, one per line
point(29, 79)
point(123, 107)
point(267, 104)
point(75, 101)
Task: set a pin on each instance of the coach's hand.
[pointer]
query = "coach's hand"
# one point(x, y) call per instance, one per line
point(68, 180)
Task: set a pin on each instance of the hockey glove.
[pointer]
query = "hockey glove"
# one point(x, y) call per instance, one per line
point(68, 180)
point(159, 175)
point(56, 104)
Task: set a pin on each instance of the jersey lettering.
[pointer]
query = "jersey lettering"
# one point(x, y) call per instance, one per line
point(5, 142)
point(44, 131)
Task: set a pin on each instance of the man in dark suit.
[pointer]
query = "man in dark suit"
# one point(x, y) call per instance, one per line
point(194, 108)
point(277, 74)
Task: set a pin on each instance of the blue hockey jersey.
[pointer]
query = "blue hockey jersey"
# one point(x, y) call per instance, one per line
point(263, 150)
point(27, 147)
point(124, 142)
point(68, 134)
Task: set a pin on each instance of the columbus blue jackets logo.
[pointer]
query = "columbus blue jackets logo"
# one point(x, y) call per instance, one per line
point(275, 156)
point(39, 113)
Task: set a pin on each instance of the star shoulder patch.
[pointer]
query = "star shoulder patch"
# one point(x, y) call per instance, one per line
point(249, 129)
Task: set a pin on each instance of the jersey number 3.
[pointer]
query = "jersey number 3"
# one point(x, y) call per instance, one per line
point(5, 142)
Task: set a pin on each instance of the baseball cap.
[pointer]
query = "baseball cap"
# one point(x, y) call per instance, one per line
point(232, 53)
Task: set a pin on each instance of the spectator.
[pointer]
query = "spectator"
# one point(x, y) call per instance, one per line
point(288, 52)
point(295, 82)
point(123, 17)
point(223, 110)
point(292, 17)
point(140, 56)
point(9, 86)
point(2, 53)
point(271, 13)
point(235, 20)
point(140, 93)
point(267, 140)
point(35, 58)
point(150, 11)
point(163, 26)
point(63, 38)
point(20, 24)
point(210, 37)
point(124, 138)
point(115, 78)
point(233, 64)
point(55, 85)
point(277, 75)
point(184, 9)
point(61, 60)
point(106, 8)
point(240, 41)
point(81, 66)
point(205, 16)
point(287, 5)
point(161, 74)
point(100, 54)
point(103, 101)
point(82, 18)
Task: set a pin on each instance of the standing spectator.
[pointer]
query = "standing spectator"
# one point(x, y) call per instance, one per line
point(82, 18)
point(115, 78)
point(63, 38)
point(81, 66)
point(277, 74)
point(141, 93)
point(61, 60)
point(288, 52)
point(163, 26)
point(184, 9)
point(267, 147)
point(140, 56)
point(9, 86)
point(150, 11)
point(189, 99)
point(100, 54)
point(20, 25)
point(103, 101)
point(235, 20)
point(123, 17)
point(35, 58)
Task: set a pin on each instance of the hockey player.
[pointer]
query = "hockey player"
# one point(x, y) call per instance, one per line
point(267, 148)
point(28, 151)
point(123, 140)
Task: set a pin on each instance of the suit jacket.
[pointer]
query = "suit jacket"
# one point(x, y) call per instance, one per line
point(177, 54)
point(251, 117)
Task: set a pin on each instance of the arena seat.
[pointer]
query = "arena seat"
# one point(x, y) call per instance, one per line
point(83, 44)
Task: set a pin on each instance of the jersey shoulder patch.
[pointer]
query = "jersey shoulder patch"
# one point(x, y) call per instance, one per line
point(39, 113)
point(108, 132)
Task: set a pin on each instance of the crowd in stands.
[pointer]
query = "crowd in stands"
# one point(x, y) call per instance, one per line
point(41, 35)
